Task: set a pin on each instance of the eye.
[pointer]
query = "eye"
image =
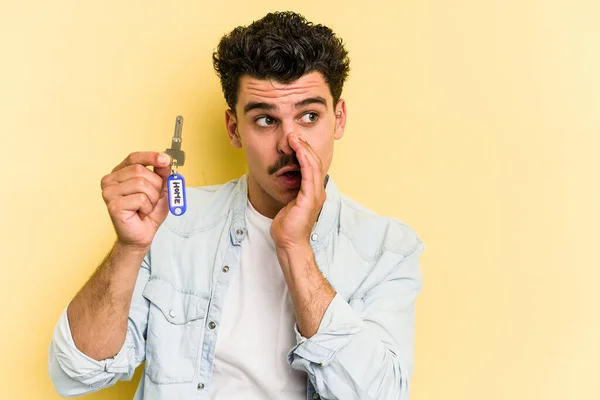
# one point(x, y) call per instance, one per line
point(265, 121)
point(310, 117)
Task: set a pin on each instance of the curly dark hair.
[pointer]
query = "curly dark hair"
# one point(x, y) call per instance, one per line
point(282, 46)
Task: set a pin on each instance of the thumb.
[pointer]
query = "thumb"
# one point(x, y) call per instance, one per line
point(163, 168)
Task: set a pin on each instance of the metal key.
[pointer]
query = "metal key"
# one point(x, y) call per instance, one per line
point(175, 181)
point(175, 151)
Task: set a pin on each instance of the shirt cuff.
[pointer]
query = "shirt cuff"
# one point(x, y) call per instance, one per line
point(81, 367)
point(339, 326)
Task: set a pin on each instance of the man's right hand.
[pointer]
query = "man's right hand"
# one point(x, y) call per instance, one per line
point(136, 197)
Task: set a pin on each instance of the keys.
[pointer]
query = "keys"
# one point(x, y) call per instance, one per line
point(175, 181)
point(175, 151)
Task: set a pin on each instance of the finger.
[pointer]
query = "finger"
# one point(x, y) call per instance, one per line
point(160, 161)
point(141, 176)
point(317, 169)
point(307, 185)
point(133, 172)
point(132, 186)
point(133, 202)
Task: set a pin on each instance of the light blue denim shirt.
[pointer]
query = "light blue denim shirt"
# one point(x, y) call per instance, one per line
point(363, 348)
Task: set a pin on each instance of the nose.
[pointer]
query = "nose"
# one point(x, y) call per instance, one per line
point(283, 146)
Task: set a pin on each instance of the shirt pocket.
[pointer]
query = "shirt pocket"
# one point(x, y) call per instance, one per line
point(175, 327)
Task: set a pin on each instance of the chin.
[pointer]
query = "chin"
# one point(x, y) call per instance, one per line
point(285, 197)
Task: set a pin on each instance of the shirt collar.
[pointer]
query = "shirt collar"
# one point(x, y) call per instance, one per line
point(327, 218)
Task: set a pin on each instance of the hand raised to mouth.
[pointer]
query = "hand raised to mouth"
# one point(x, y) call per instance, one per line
point(292, 226)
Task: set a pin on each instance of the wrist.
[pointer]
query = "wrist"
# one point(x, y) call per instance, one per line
point(130, 251)
point(293, 249)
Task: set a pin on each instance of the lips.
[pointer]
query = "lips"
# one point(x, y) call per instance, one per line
point(290, 177)
point(289, 170)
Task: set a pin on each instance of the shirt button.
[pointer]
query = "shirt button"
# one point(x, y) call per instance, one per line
point(225, 268)
point(200, 386)
point(212, 325)
point(172, 314)
point(314, 237)
point(316, 396)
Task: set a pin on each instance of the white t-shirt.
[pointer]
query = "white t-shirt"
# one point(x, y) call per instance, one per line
point(257, 327)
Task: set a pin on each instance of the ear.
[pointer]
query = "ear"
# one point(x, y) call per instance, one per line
point(340, 119)
point(232, 129)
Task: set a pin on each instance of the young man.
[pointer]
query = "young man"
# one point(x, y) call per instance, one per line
point(271, 286)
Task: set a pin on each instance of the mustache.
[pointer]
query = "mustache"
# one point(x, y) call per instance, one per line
point(283, 161)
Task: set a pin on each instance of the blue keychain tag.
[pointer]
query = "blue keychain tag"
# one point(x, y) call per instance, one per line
point(176, 192)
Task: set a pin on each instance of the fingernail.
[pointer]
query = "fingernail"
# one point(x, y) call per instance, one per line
point(163, 159)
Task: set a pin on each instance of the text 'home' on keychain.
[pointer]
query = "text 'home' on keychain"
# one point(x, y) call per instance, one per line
point(175, 182)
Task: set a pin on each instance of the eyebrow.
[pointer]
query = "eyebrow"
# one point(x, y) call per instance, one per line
point(312, 100)
point(254, 105)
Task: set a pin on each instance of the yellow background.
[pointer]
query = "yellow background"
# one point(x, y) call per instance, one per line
point(476, 122)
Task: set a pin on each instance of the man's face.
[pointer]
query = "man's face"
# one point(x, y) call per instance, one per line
point(267, 112)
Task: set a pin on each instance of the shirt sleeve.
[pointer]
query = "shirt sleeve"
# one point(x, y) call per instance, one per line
point(74, 374)
point(364, 349)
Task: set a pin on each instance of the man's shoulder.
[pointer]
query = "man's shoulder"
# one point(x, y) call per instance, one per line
point(373, 234)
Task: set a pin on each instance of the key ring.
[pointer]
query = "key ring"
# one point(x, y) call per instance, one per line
point(174, 167)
